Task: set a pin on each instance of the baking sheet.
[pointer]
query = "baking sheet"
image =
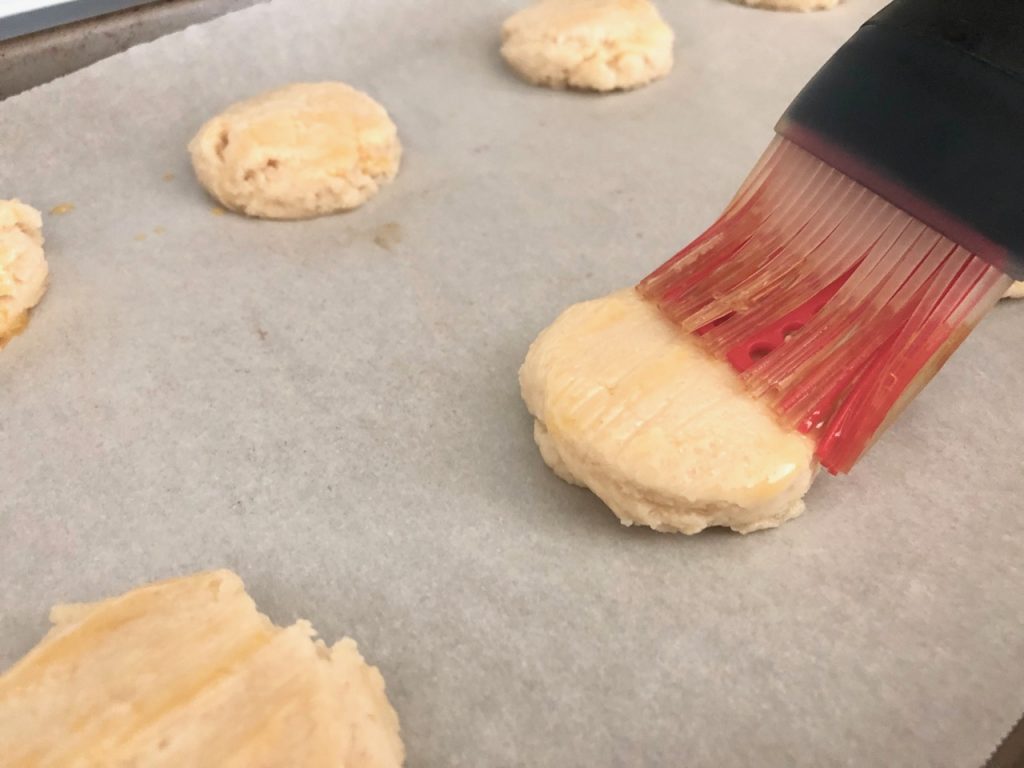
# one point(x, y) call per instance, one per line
point(23, 17)
point(331, 409)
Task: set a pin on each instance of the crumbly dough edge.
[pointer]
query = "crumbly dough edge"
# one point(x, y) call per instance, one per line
point(636, 505)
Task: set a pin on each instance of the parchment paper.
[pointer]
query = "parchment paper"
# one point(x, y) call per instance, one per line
point(331, 409)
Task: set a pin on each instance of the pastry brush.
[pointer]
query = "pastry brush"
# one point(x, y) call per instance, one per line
point(884, 220)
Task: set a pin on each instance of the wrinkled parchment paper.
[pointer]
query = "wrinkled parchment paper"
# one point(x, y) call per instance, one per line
point(331, 409)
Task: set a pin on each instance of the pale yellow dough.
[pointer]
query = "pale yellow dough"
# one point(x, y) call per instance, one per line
point(792, 5)
point(304, 150)
point(600, 45)
point(630, 407)
point(186, 673)
point(23, 268)
point(1015, 291)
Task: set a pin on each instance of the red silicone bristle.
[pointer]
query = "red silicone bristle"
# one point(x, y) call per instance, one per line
point(834, 306)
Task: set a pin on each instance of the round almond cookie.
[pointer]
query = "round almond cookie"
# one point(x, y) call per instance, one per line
point(304, 150)
point(23, 268)
point(791, 5)
point(628, 405)
point(188, 673)
point(598, 45)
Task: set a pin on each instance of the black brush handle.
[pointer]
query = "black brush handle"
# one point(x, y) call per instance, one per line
point(925, 106)
point(990, 30)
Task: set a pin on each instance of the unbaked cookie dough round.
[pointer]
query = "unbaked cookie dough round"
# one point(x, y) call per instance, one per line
point(187, 673)
point(791, 5)
point(304, 150)
point(1015, 291)
point(599, 45)
point(23, 268)
point(629, 406)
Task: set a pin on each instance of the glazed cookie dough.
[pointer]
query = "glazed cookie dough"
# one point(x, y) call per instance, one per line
point(304, 150)
point(23, 269)
point(599, 45)
point(792, 5)
point(186, 672)
point(630, 407)
point(1015, 291)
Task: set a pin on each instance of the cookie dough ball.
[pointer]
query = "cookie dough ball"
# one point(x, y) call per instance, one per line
point(186, 672)
point(599, 45)
point(630, 407)
point(304, 150)
point(1015, 291)
point(23, 268)
point(791, 5)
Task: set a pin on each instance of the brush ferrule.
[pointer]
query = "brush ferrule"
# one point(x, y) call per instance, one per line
point(925, 107)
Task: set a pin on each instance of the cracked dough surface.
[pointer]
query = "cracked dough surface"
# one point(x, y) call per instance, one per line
point(299, 151)
point(791, 5)
point(600, 45)
point(186, 672)
point(23, 268)
point(631, 408)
